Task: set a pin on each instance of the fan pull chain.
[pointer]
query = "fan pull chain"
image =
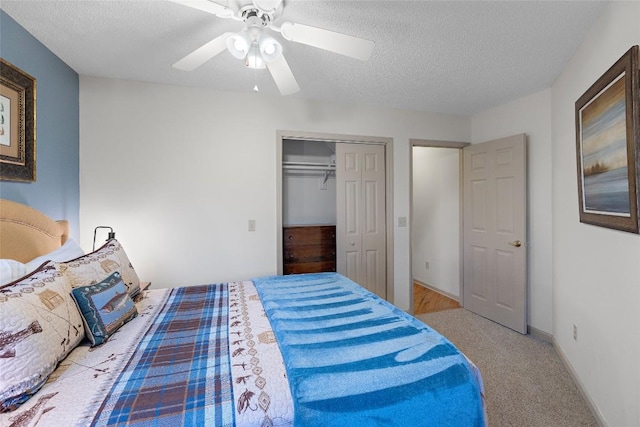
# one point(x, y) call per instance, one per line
point(255, 79)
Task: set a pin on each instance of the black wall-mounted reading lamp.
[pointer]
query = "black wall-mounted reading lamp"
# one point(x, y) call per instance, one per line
point(112, 234)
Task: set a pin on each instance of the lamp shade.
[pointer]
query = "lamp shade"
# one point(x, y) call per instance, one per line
point(270, 49)
point(238, 44)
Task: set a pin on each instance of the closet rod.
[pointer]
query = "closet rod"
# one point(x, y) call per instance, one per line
point(309, 167)
point(325, 165)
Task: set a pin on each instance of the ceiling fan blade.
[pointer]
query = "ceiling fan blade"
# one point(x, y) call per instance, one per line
point(343, 44)
point(283, 76)
point(207, 6)
point(202, 54)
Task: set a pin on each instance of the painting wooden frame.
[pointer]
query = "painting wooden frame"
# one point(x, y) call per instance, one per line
point(17, 124)
point(608, 147)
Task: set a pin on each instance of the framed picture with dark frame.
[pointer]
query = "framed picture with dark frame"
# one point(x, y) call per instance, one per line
point(17, 124)
point(608, 147)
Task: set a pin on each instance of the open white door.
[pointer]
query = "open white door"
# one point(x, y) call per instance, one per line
point(495, 226)
point(361, 215)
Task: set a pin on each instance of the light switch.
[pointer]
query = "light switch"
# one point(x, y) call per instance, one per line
point(252, 225)
point(402, 221)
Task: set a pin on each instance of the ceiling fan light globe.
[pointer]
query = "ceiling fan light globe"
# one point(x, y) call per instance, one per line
point(270, 49)
point(238, 44)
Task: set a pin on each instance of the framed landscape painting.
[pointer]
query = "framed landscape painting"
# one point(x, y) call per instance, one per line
point(608, 147)
point(17, 124)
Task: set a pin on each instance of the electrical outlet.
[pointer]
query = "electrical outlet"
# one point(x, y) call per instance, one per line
point(575, 333)
point(426, 265)
point(252, 225)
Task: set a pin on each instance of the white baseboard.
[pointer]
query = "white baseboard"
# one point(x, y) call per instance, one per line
point(539, 334)
point(590, 403)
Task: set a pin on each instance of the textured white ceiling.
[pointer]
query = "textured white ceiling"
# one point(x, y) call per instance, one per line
point(457, 57)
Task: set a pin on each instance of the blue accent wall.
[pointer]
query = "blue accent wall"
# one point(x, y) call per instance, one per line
point(56, 191)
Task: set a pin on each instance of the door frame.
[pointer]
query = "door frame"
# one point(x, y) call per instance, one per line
point(430, 143)
point(337, 138)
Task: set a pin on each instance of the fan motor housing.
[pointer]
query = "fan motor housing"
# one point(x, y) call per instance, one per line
point(255, 18)
point(266, 10)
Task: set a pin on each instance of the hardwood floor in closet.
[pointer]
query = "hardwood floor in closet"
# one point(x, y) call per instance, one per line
point(427, 301)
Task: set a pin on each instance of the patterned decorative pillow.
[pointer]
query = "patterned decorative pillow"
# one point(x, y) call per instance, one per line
point(105, 307)
point(39, 325)
point(96, 266)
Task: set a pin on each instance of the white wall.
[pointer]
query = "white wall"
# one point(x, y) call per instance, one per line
point(305, 200)
point(436, 218)
point(530, 115)
point(596, 271)
point(179, 171)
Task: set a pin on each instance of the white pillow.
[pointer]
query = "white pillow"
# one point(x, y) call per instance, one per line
point(11, 270)
point(70, 250)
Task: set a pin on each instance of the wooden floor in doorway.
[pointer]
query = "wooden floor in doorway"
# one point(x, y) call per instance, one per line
point(427, 301)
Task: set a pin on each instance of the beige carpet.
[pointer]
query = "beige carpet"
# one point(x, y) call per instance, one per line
point(526, 384)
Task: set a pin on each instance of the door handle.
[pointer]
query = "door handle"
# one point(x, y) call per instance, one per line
point(517, 243)
point(352, 243)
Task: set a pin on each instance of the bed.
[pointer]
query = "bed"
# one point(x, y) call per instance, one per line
point(81, 344)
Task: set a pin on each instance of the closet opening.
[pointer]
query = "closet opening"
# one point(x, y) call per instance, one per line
point(308, 206)
point(334, 207)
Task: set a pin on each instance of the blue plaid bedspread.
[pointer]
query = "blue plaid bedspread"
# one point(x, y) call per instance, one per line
point(180, 374)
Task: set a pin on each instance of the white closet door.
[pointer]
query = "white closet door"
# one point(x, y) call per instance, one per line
point(361, 217)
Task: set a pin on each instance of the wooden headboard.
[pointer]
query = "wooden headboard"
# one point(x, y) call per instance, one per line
point(26, 233)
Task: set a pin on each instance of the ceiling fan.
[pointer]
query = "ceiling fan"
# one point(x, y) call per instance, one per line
point(257, 48)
